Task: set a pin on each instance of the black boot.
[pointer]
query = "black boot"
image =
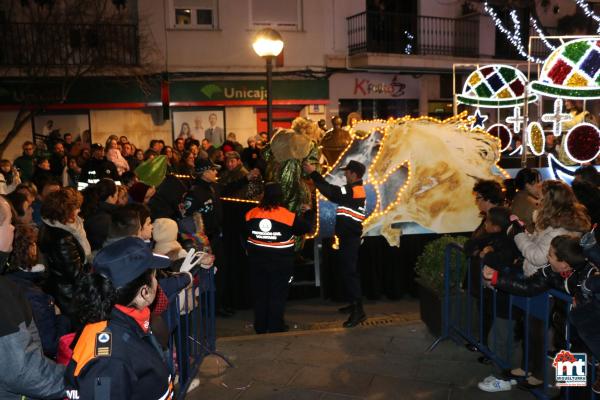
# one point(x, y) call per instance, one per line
point(346, 309)
point(356, 317)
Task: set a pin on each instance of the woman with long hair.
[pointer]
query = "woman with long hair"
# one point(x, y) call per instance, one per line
point(64, 244)
point(116, 356)
point(185, 131)
point(559, 214)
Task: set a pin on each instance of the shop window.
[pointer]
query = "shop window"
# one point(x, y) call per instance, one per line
point(280, 14)
point(378, 108)
point(195, 14)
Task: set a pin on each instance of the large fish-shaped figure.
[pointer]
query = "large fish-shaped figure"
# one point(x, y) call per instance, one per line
point(420, 175)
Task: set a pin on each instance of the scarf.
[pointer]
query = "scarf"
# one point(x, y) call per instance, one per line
point(142, 317)
point(75, 229)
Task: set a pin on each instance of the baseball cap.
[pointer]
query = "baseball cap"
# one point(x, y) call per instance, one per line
point(356, 167)
point(205, 164)
point(97, 146)
point(127, 259)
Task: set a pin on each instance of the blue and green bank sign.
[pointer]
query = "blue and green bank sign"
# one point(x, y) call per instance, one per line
point(120, 93)
point(248, 91)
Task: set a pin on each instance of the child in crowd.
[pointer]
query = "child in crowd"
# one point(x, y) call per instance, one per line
point(497, 249)
point(567, 271)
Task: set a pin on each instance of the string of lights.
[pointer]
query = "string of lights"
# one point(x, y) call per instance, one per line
point(538, 30)
point(514, 37)
point(589, 12)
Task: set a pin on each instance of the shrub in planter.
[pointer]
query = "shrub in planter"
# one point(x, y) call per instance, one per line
point(430, 276)
point(430, 264)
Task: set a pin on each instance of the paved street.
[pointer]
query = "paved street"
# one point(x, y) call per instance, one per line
point(368, 362)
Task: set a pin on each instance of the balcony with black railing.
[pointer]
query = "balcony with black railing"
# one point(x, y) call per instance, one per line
point(59, 45)
point(375, 32)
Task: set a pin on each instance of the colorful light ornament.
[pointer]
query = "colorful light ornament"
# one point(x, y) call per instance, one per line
point(516, 119)
point(571, 71)
point(495, 86)
point(582, 143)
point(557, 117)
point(536, 140)
point(503, 133)
point(479, 121)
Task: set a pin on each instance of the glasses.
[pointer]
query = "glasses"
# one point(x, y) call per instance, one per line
point(28, 149)
point(479, 198)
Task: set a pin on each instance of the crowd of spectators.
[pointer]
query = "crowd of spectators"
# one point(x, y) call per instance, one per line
point(78, 211)
point(530, 240)
point(72, 219)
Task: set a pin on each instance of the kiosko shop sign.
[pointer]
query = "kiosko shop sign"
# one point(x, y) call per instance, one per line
point(249, 91)
point(373, 86)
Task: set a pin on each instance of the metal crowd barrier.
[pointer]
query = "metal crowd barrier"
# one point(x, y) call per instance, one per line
point(194, 336)
point(463, 321)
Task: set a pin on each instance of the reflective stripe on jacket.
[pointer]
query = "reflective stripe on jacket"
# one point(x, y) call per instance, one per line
point(350, 200)
point(273, 232)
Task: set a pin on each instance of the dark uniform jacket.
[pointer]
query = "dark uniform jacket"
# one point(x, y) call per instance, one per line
point(95, 169)
point(204, 198)
point(350, 198)
point(271, 233)
point(116, 360)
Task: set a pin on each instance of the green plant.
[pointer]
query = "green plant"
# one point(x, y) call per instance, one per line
point(430, 264)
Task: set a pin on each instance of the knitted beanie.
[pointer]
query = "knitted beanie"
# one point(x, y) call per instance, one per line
point(164, 233)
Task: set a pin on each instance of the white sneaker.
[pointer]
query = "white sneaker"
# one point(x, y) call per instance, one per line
point(488, 379)
point(494, 385)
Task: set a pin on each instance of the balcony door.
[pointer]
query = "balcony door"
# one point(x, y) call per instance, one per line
point(392, 26)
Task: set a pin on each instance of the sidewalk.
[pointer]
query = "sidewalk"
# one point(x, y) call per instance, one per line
point(367, 362)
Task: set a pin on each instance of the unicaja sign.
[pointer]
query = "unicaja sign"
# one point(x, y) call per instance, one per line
point(571, 368)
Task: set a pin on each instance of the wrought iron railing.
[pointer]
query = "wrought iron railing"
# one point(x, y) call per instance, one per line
point(56, 45)
point(411, 34)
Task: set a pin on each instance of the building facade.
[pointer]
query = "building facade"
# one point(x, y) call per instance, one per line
point(375, 58)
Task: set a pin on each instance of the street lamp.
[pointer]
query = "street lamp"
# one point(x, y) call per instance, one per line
point(268, 44)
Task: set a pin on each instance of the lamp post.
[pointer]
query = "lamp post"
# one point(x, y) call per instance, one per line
point(268, 44)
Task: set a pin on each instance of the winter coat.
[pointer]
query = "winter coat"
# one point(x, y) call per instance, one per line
point(65, 261)
point(51, 326)
point(534, 247)
point(24, 371)
point(97, 225)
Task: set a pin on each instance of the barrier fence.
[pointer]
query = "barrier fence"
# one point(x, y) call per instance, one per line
point(192, 319)
point(470, 314)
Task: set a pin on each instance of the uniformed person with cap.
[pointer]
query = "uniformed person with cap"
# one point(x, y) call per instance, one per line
point(271, 233)
point(350, 214)
point(116, 356)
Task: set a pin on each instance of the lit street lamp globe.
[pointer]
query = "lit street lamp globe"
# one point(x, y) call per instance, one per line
point(267, 43)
